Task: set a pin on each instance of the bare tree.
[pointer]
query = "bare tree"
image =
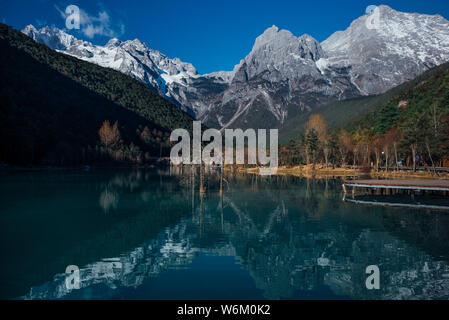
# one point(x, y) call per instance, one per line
point(387, 146)
point(377, 148)
point(394, 136)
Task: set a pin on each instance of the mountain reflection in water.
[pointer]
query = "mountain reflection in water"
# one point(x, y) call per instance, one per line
point(146, 234)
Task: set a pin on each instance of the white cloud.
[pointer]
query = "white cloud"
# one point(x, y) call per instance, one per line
point(91, 25)
point(61, 13)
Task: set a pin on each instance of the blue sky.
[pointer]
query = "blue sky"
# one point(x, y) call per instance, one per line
point(213, 35)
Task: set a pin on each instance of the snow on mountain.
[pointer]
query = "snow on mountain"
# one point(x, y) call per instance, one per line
point(52, 37)
point(332, 258)
point(131, 57)
point(223, 76)
point(400, 48)
point(283, 75)
point(278, 78)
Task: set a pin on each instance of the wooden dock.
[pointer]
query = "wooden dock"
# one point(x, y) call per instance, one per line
point(400, 188)
point(415, 185)
point(398, 204)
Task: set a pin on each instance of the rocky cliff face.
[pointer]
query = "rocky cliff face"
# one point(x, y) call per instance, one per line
point(283, 75)
point(278, 78)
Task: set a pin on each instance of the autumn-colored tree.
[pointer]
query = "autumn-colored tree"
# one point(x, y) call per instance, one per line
point(345, 145)
point(145, 135)
point(109, 135)
point(318, 123)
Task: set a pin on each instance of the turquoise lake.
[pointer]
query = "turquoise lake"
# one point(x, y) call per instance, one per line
point(149, 234)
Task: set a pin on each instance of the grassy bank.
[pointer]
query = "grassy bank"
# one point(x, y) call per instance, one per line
point(324, 171)
point(410, 175)
point(310, 171)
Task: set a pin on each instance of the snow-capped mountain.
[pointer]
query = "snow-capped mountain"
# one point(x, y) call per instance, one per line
point(278, 78)
point(131, 57)
point(402, 46)
point(283, 75)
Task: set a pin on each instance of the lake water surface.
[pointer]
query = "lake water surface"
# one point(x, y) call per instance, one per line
point(147, 234)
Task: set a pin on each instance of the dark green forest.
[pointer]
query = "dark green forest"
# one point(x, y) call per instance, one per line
point(52, 107)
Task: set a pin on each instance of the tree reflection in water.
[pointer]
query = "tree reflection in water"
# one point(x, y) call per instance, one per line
point(291, 235)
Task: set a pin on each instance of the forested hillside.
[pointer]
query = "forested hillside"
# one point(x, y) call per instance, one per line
point(52, 107)
point(340, 114)
point(408, 126)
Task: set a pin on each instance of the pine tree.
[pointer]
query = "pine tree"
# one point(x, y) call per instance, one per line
point(312, 143)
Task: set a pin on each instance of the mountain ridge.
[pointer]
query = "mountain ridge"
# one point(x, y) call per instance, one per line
point(283, 75)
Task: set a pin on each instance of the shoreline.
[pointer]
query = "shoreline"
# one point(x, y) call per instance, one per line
point(320, 171)
point(305, 171)
point(12, 168)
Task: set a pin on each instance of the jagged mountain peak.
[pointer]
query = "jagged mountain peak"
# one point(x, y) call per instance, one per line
point(136, 43)
point(273, 28)
point(275, 41)
point(51, 36)
point(270, 35)
point(274, 37)
point(114, 42)
point(282, 54)
point(29, 28)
